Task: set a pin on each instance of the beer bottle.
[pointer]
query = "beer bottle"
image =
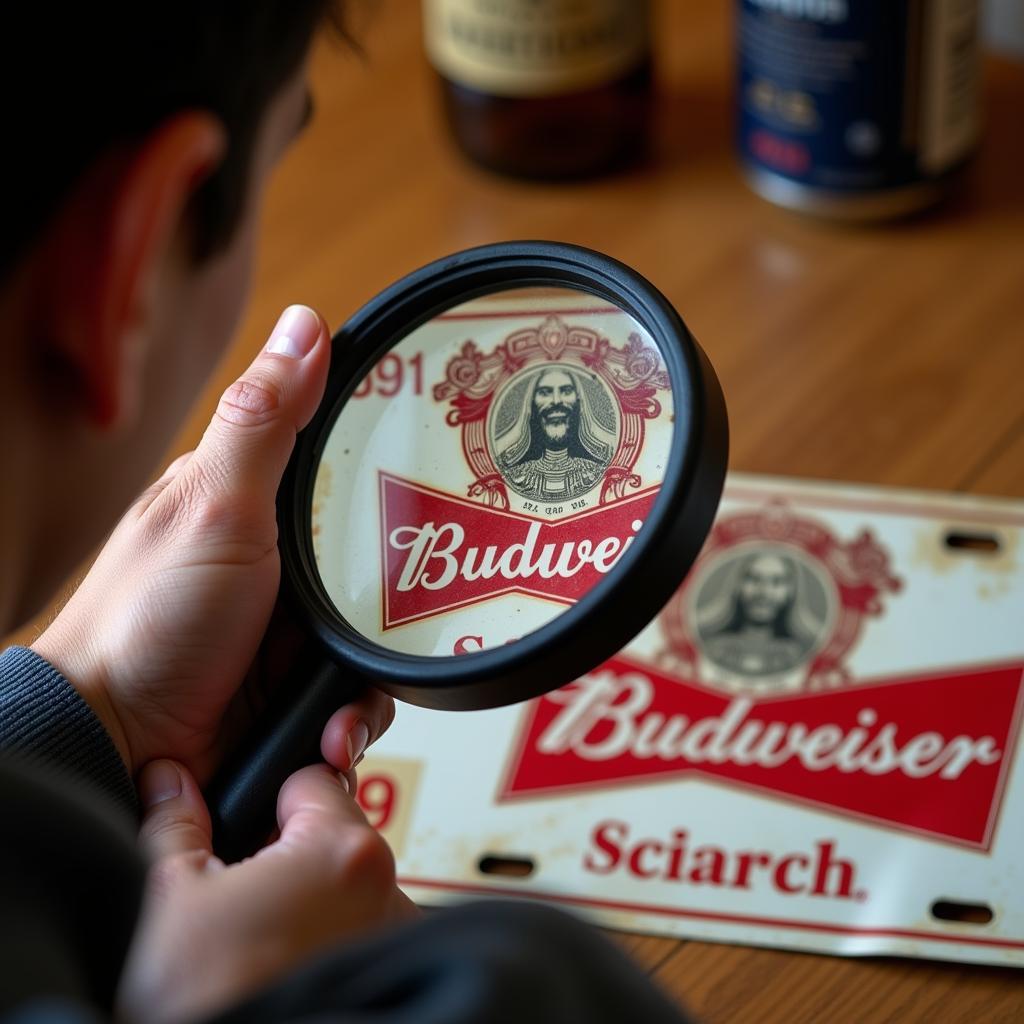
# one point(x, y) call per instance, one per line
point(543, 88)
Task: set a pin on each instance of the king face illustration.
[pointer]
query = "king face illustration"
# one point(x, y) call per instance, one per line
point(774, 604)
point(556, 416)
point(553, 433)
point(761, 612)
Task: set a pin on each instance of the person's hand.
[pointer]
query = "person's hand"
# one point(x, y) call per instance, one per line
point(162, 631)
point(212, 934)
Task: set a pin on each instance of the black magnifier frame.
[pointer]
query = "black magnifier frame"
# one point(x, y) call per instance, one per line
point(243, 796)
point(646, 575)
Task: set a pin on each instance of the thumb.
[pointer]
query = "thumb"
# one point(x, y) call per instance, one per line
point(175, 819)
point(247, 445)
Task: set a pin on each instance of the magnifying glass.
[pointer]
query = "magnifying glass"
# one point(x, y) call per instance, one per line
point(517, 459)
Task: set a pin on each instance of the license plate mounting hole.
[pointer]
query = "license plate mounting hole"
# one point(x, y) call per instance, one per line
point(961, 912)
point(973, 541)
point(502, 864)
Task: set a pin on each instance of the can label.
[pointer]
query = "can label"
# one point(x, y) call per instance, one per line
point(522, 48)
point(858, 96)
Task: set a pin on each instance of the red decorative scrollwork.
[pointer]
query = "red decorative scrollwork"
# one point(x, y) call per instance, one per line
point(633, 373)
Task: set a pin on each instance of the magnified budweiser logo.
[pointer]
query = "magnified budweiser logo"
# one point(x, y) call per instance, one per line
point(751, 687)
point(554, 418)
point(441, 552)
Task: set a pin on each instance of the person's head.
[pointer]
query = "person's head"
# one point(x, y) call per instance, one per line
point(556, 408)
point(767, 588)
point(140, 139)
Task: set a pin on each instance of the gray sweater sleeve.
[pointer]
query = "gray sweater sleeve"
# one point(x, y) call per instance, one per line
point(43, 718)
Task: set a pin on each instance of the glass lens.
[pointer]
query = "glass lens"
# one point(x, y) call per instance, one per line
point(490, 470)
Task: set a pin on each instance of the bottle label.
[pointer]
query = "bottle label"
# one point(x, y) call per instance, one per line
point(523, 48)
point(858, 96)
point(952, 73)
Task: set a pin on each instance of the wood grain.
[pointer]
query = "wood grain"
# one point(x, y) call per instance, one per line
point(721, 984)
point(890, 355)
point(878, 355)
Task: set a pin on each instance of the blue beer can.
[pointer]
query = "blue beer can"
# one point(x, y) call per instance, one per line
point(857, 109)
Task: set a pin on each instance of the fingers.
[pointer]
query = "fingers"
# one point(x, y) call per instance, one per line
point(323, 828)
point(316, 794)
point(175, 819)
point(352, 729)
point(245, 449)
point(318, 818)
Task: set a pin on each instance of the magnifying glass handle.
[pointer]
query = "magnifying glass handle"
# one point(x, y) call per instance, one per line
point(243, 795)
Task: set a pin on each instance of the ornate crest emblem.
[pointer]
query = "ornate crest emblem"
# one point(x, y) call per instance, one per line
point(554, 413)
point(773, 604)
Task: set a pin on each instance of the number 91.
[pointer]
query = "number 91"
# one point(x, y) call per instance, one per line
point(389, 376)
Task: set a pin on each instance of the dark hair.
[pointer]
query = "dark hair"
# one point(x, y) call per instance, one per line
point(80, 78)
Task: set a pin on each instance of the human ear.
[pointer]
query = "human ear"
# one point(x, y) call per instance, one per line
point(107, 253)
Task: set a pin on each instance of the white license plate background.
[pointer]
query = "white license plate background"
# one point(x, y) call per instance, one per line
point(844, 847)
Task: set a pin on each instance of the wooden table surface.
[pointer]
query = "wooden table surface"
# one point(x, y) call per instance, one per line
point(891, 355)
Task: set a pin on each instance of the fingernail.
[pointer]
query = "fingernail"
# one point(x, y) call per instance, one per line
point(344, 781)
point(357, 740)
point(160, 781)
point(295, 333)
